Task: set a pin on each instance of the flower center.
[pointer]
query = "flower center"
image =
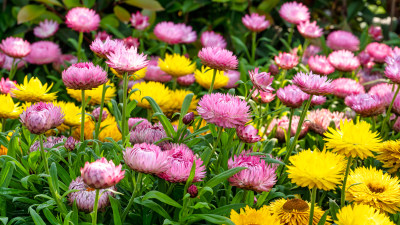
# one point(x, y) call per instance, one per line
point(295, 204)
point(90, 189)
point(376, 188)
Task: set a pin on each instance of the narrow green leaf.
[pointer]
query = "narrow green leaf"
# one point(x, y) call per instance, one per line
point(216, 219)
point(6, 174)
point(121, 13)
point(161, 197)
point(50, 217)
point(115, 205)
point(323, 218)
point(30, 12)
point(50, 2)
point(223, 176)
point(146, 4)
point(54, 176)
point(36, 218)
point(155, 207)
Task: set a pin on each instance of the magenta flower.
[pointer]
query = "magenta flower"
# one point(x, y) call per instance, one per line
point(262, 81)
point(392, 69)
point(86, 195)
point(318, 100)
point(319, 64)
point(248, 134)
point(146, 158)
point(70, 143)
point(103, 48)
point(273, 69)
point(263, 96)
point(224, 110)
point(212, 39)
point(8, 61)
point(344, 60)
point(383, 91)
point(313, 84)
point(188, 118)
point(103, 35)
point(259, 176)
point(96, 114)
point(101, 174)
point(193, 191)
point(84, 76)
point(255, 22)
point(46, 28)
point(396, 105)
point(395, 51)
point(365, 104)
point(286, 60)
point(138, 123)
point(365, 75)
point(186, 80)
point(396, 125)
point(309, 30)
point(365, 59)
point(124, 59)
point(180, 161)
point(234, 76)
point(139, 21)
point(168, 32)
point(218, 58)
point(82, 19)
point(320, 119)
point(375, 32)
point(48, 143)
point(154, 73)
point(145, 134)
point(378, 51)
point(15, 47)
point(130, 42)
point(311, 50)
point(338, 40)
point(2, 59)
point(62, 61)
point(292, 96)
point(294, 12)
point(41, 117)
point(6, 85)
point(282, 125)
point(44, 52)
point(343, 87)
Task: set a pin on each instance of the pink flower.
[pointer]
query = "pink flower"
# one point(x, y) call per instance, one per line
point(365, 59)
point(294, 12)
point(396, 125)
point(319, 64)
point(146, 158)
point(291, 96)
point(263, 96)
point(63, 60)
point(84, 76)
point(96, 114)
point(383, 91)
point(258, 175)
point(192, 190)
point(70, 143)
point(318, 100)
point(46, 28)
point(174, 33)
point(189, 35)
point(6, 85)
point(138, 123)
point(103, 48)
point(82, 19)
point(186, 80)
point(255, 22)
point(139, 21)
point(218, 58)
point(392, 69)
point(309, 30)
point(375, 32)
point(365, 75)
point(145, 134)
point(2, 59)
point(41, 117)
point(131, 42)
point(286, 60)
point(180, 161)
point(8, 61)
point(282, 125)
point(223, 110)
point(248, 134)
point(124, 59)
point(313, 84)
point(344, 60)
point(395, 51)
point(212, 39)
point(43, 52)
point(365, 104)
point(262, 81)
point(273, 69)
point(234, 76)
point(320, 119)
point(101, 174)
point(343, 87)
point(338, 40)
point(154, 73)
point(396, 105)
point(86, 195)
point(378, 51)
point(103, 35)
point(15, 47)
point(48, 143)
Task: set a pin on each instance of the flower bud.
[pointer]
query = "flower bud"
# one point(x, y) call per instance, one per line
point(188, 118)
point(70, 143)
point(96, 114)
point(192, 190)
point(273, 69)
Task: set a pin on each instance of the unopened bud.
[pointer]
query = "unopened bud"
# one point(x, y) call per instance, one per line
point(96, 114)
point(192, 190)
point(188, 118)
point(70, 143)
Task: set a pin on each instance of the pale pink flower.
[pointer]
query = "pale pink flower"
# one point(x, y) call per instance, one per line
point(168, 32)
point(311, 50)
point(15, 47)
point(263, 96)
point(146, 158)
point(343, 87)
point(103, 35)
point(145, 134)
point(365, 75)
point(395, 51)
point(291, 96)
point(282, 125)
point(103, 48)
point(294, 12)
point(186, 80)
point(286, 60)
point(6, 85)
point(70, 143)
point(234, 76)
point(320, 119)
point(392, 69)
point(340, 39)
point(218, 58)
point(319, 64)
point(154, 73)
point(384, 91)
point(43, 52)
point(223, 110)
point(131, 42)
point(64, 61)
point(8, 61)
point(101, 174)
point(255, 22)
point(139, 21)
point(124, 59)
point(41, 117)
point(365, 59)
point(313, 84)
point(318, 100)
point(138, 123)
point(46, 28)
point(212, 39)
point(365, 104)
point(309, 30)
point(262, 81)
point(84, 76)
point(82, 19)
point(189, 35)
point(378, 51)
point(96, 114)
point(248, 134)
point(375, 32)
point(343, 60)
point(48, 143)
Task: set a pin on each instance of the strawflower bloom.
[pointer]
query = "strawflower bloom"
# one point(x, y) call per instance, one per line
point(294, 12)
point(218, 58)
point(41, 117)
point(343, 60)
point(48, 143)
point(282, 126)
point(84, 76)
point(321, 119)
point(82, 19)
point(15, 47)
point(313, 84)
point(373, 187)
point(343, 87)
point(43, 52)
point(124, 59)
point(361, 214)
point(94, 94)
point(146, 158)
point(378, 51)
point(150, 135)
point(320, 169)
point(365, 76)
point(375, 32)
point(138, 123)
point(70, 143)
point(168, 32)
point(132, 76)
point(9, 109)
point(176, 99)
point(103, 35)
point(212, 39)
point(46, 28)
point(205, 75)
point(130, 42)
point(158, 91)
point(352, 140)
point(311, 50)
point(103, 48)
point(365, 59)
point(154, 73)
point(383, 91)
point(72, 117)
point(248, 134)
point(338, 40)
point(2, 59)
point(188, 118)
point(223, 110)
point(392, 69)
point(186, 80)
point(176, 65)
point(286, 60)
point(273, 69)
point(389, 155)
point(33, 91)
point(396, 125)
point(309, 30)
point(262, 81)
point(101, 174)
point(6, 85)
point(64, 61)
point(249, 215)
point(263, 96)
point(318, 100)
point(255, 22)
point(234, 76)
point(96, 114)
point(193, 191)
point(319, 64)
point(139, 21)
point(292, 96)
point(365, 104)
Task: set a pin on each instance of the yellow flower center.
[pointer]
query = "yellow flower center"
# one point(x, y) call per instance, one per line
point(90, 189)
point(295, 204)
point(376, 188)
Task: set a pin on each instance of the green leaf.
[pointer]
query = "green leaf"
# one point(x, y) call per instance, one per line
point(226, 209)
point(146, 4)
point(4, 220)
point(54, 177)
point(67, 218)
point(36, 218)
point(71, 3)
point(240, 46)
point(323, 218)
point(122, 14)
point(200, 205)
point(13, 145)
point(110, 20)
point(185, 106)
point(216, 219)
point(49, 216)
point(115, 205)
point(155, 207)
point(50, 2)
point(223, 176)
point(272, 160)
point(163, 119)
point(333, 208)
point(11, 191)
point(30, 12)
point(6, 174)
point(161, 197)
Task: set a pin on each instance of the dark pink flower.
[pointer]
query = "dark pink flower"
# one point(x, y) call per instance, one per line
point(131, 42)
point(96, 114)
point(146, 158)
point(84, 76)
point(101, 174)
point(286, 60)
point(139, 21)
point(319, 64)
point(263, 96)
point(343, 60)
point(218, 58)
point(365, 104)
point(15, 47)
point(234, 76)
point(365, 59)
point(6, 85)
point(70, 143)
point(378, 51)
point(82, 19)
point(248, 134)
point(343, 87)
point(282, 125)
point(262, 81)
point(313, 84)
point(294, 12)
point(292, 96)
point(174, 33)
point(41, 117)
point(338, 40)
point(138, 123)
point(320, 119)
point(255, 22)
point(273, 69)
point(103, 35)
point(375, 32)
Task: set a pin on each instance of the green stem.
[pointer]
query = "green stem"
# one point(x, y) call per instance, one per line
point(103, 95)
point(3, 125)
point(212, 81)
point(174, 83)
point(289, 131)
point(245, 194)
point(250, 94)
point(216, 143)
point(135, 192)
point(46, 69)
point(124, 107)
point(13, 69)
point(149, 114)
point(80, 40)
point(291, 30)
point(313, 197)
point(253, 47)
point(83, 116)
point(239, 149)
point(342, 196)
point(388, 113)
point(96, 203)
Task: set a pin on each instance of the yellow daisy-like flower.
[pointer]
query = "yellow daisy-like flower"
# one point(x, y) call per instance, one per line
point(360, 215)
point(158, 91)
point(372, 187)
point(33, 91)
point(176, 101)
point(295, 211)
point(352, 139)
point(321, 169)
point(9, 109)
point(72, 113)
point(110, 130)
point(176, 65)
point(389, 155)
point(249, 216)
point(4, 149)
point(95, 94)
point(135, 76)
point(204, 78)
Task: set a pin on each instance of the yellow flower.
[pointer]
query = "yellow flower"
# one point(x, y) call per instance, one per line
point(204, 78)
point(389, 155)
point(136, 76)
point(323, 170)
point(95, 94)
point(176, 100)
point(250, 216)
point(108, 128)
point(360, 215)
point(373, 187)
point(7, 107)
point(352, 139)
point(72, 113)
point(33, 91)
point(158, 91)
point(4, 149)
point(295, 211)
point(176, 65)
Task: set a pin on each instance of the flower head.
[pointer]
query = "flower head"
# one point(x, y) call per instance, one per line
point(248, 134)
point(383, 91)
point(263, 96)
point(375, 32)
point(212, 39)
point(48, 143)
point(103, 48)
point(174, 33)
point(72, 113)
point(292, 96)
point(189, 35)
point(33, 91)
point(108, 129)
point(234, 76)
point(186, 80)
point(321, 119)
point(286, 60)
point(218, 58)
point(378, 51)
point(41, 117)
point(15, 47)
point(147, 134)
point(365, 104)
point(205, 75)
point(139, 21)
point(130, 42)
point(249, 215)
point(84, 76)
point(124, 59)
point(294, 12)
point(154, 73)
point(138, 123)
point(103, 35)
point(361, 214)
point(309, 30)
point(282, 126)
point(82, 19)
point(132, 76)
point(96, 114)
point(313, 84)
point(170, 65)
point(146, 158)
point(317, 100)
point(262, 81)
point(94, 94)
point(343, 60)
point(101, 174)
point(338, 40)
point(6, 85)
point(158, 91)
point(64, 61)
point(392, 69)
point(176, 99)
point(70, 143)
point(389, 155)
point(255, 22)
point(319, 64)
point(46, 28)
point(9, 109)
point(43, 52)
point(343, 87)
point(273, 69)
